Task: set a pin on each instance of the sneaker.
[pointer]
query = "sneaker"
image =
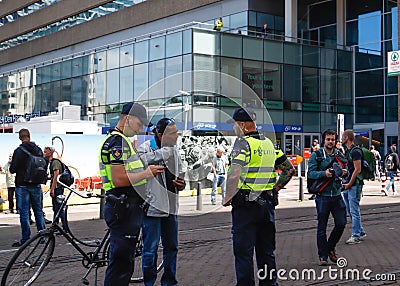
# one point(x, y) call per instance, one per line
point(332, 256)
point(213, 203)
point(363, 236)
point(385, 191)
point(47, 221)
point(353, 240)
point(17, 244)
point(323, 261)
point(395, 193)
point(312, 197)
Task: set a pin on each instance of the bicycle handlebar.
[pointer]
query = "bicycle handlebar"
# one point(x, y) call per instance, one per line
point(87, 196)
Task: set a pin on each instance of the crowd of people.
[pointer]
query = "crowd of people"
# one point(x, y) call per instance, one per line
point(148, 178)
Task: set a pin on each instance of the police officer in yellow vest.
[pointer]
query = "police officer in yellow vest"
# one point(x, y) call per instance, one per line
point(124, 178)
point(252, 188)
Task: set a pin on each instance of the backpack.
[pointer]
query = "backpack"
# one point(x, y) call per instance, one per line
point(368, 164)
point(389, 162)
point(310, 182)
point(36, 170)
point(66, 176)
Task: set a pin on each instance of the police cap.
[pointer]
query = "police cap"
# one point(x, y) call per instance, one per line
point(135, 109)
point(243, 114)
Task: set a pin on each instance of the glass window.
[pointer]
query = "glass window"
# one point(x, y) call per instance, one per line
point(113, 59)
point(369, 109)
point(310, 85)
point(55, 94)
point(252, 49)
point(357, 9)
point(157, 48)
point(391, 107)
point(322, 14)
point(369, 83)
point(38, 98)
point(126, 84)
point(66, 69)
point(292, 83)
point(328, 86)
point(272, 81)
point(231, 46)
point(140, 82)
point(77, 66)
point(311, 56)
point(252, 18)
point(78, 90)
point(206, 43)
point(391, 84)
point(276, 116)
point(174, 44)
point(345, 80)
point(141, 52)
point(368, 61)
point(55, 70)
point(112, 91)
point(239, 20)
point(230, 87)
point(231, 67)
point(292, 117)
point(252, 76)
point(66, 90)
point(126, 56)
point(262, 19)
point(45, 74)
point(206, 81)
point(173, 66)
point(311, 121)
point(327, 36)
point(100, 61)
point(100, 88)
point(156, 72)
point(344, 60)
point(273, 51)
point(328, 58)
point(187, 41)
point(328, 120)
point(292, 53)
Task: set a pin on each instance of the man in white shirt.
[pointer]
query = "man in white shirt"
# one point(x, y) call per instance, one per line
point(219, 168)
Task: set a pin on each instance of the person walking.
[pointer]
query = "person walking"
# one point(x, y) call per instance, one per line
point(10, 182)
point(329, 200)
point(219, 168)
point(377, 158)
point(252, 189)
point(124, 179)
point(56, 189)
point(352, 186)
point(391, 162)
point(161, 220)
point(264, 30)
point(27, 194)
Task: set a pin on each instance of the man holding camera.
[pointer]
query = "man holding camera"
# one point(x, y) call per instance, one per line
point(322, 167)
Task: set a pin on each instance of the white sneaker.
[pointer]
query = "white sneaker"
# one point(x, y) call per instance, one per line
point(363, 236)
point(395, 193)
point(386, 192)
point(353, 240)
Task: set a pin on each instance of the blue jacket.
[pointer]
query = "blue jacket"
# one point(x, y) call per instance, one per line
point(334, 187)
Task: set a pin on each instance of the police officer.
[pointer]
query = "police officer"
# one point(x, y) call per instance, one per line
point(252, 188)
point(124, 178)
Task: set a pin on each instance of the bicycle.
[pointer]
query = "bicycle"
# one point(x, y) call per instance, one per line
point(35, 254)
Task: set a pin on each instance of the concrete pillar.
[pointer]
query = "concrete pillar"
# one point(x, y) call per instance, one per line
point(341, 23)
point(291, 20)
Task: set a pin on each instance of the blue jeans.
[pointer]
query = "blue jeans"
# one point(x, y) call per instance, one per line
point(219, 180)
point(352, 199)
point(326, 206)
point(153, 229)
point(391, 174)
point(27, 196)
point(253, 227)
point(57, 206)
point(124, 231)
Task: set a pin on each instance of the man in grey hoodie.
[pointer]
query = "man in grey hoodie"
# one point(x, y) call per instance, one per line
point(161, 220)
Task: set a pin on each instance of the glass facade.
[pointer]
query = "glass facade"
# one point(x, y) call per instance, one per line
point(294, 82)
point(70, 21)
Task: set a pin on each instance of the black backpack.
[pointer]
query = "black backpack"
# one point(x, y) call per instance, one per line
point(310, 181)
point(36, 170)
point(66, 176)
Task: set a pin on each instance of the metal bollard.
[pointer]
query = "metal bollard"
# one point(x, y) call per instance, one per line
point(301, 195)
point(102, 202)
point(199, 205)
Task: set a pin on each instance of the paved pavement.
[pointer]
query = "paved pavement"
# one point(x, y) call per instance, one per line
point(205, 256)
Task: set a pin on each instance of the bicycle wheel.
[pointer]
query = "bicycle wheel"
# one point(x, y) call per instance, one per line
point(30, 260)
point(137, 275)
